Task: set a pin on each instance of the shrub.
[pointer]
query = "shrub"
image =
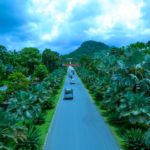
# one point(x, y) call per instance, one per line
point(10, 132)
point(17, 81)
point(49, 104)
point(39, 120)
point(99, 95)
point(2, 96)
point(134, 139)
point(147, 139)
point(41, 72)
point(113, 117)
point(32, 140)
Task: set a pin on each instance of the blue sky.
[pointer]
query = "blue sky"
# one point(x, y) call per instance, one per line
point(63, 25)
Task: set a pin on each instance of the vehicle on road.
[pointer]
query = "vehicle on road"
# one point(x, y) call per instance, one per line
point(68, 94)
point(70, 76)
point(73, 72)
point(72, 81)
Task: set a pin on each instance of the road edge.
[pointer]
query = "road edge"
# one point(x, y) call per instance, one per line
point(52, 121)
point(99, 111)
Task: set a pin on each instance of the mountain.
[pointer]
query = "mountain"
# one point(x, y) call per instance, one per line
point(88, 48)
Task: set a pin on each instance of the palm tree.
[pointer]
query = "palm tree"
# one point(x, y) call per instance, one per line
point(135, 107)
point(134, 139)
point(10, 133)
point(24, 106)
point(32, 140)
point(41, 92)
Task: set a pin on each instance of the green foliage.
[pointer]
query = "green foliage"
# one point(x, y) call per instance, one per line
point(3, 54)
point(88, 48)
point(17, 81)
point(6, 62)
point(137, 45)
point(26, 60)
point(49, 104)
point(119, 80)
point(30, 57)
point(26, 100)
point(31, 142)
point(40, 72)
point(10, 133)
point(2, 96)
point(39, 120)
point(85, 60)
point(134, 139)
point(113, 118)
point(147, 139)
point(50, 59)
point(135, 107)
point(41, 92)
point(29, 108)
point(24, 106)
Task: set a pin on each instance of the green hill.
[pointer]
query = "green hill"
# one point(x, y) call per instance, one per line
point(88, 48)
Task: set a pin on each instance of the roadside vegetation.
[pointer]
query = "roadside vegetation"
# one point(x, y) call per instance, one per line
point(119, 80)
point(29, 85)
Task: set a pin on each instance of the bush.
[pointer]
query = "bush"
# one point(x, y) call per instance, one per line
point(49, 104)
point(17, 81)
point(113, 118)
point(2, 96)
point(32, 140)
point(147, 139)
point(41, 72)
point(39, 120)
point(134, 139)
point(98, 94)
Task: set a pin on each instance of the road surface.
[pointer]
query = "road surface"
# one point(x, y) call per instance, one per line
point(77, 124)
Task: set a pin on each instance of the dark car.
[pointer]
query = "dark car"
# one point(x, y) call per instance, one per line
point(72, 81)
point(70, 76)
point(73, 72)
point(68, 94)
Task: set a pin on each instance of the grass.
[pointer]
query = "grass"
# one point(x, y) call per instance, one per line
point(43, 129)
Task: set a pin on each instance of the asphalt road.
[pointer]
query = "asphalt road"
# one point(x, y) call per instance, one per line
point(77, 124)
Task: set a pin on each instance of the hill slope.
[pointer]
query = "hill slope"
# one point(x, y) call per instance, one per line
point(88, 48)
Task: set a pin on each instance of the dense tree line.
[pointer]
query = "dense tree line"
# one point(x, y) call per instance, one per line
point(119, 80)
point(17, 68)
point(26, 60)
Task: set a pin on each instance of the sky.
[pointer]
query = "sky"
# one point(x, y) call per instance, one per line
point(62, 25)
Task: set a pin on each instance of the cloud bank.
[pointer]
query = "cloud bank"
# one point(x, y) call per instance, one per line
point(63, 25)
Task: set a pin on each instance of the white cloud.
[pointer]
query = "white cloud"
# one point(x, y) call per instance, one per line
point(125, 14)
point(52, 35)
point(146, 31)
point(55, 14)
point(67, 23)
